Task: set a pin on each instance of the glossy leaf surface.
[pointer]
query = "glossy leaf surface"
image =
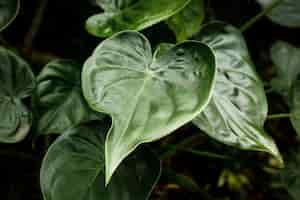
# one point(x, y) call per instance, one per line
point(146, 97)
point(8, 12)
point(238, 108)
point(59, 98)
point(137, 16)
point(16, 82)
point(286, 59)
point(74, 169)
point(188, 21)
point(287, 13)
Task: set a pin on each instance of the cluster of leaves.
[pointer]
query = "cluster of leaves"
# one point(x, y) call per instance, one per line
point(209, 80)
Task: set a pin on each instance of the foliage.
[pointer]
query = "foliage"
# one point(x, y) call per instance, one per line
point(135, 16)
point(285, 14)
point(287, 82)
point(128, 93)
point(288, 178)
point(238, 108)
point(187, 22)
point(283, 54)
point(77, 158)
point(58, 93)
point(143, 94)
point(9, 10)
point(16, 83)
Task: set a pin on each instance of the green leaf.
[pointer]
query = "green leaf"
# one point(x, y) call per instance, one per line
point(162, 48)
point(113, 5)
point(286, 59)
point(16, 83)
point(295, 106)
point(59, 98)
point(188, 21)
point(287, 13)
point(289, 177)
point(8, 12)
point(137, 16)
point(238, 108)
point(147, 97)
point(74, 169)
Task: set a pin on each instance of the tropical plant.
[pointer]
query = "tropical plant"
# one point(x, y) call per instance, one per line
point(130, 93)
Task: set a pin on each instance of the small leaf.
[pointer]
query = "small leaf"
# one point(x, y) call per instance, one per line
point(16, 82)
point(8, 12)
point(147, 97)
point(113, 5)
point(238, 108)
point(286, 13)
point(73, 168)
point(286, 59)
point(59, 98)
point(161, 49)
point(295, 106)
point(188, 21)
point(136, 16)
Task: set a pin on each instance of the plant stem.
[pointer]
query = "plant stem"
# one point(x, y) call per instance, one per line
point(196, 152)
point(172, 150)
point(279, 116)
point(207, 154)
point(36, 23)
point(264, 12)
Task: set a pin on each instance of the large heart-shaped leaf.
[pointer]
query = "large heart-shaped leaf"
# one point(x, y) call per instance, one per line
point(286, 59)
point(136, 16)
point(188, 21)
point(147, 97)
point(59, 98)
point(238, 108)
point(286, 13)
point(8, 12)
point(295, 106)
point(16, 82)
point(74, 169)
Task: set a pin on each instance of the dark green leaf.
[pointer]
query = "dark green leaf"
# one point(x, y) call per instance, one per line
point(59, 98)
point(73, 169)
point(289, 177)
point(295, 106)
point(286, 59)
point(8, 12)
point(237, 111)
point(188, 21)
point(16, 82)
point(287, 13)
point(137, 16)
point(147, 97)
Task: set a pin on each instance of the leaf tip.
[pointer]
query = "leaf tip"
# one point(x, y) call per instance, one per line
point(277, 161)
point(111, 165)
